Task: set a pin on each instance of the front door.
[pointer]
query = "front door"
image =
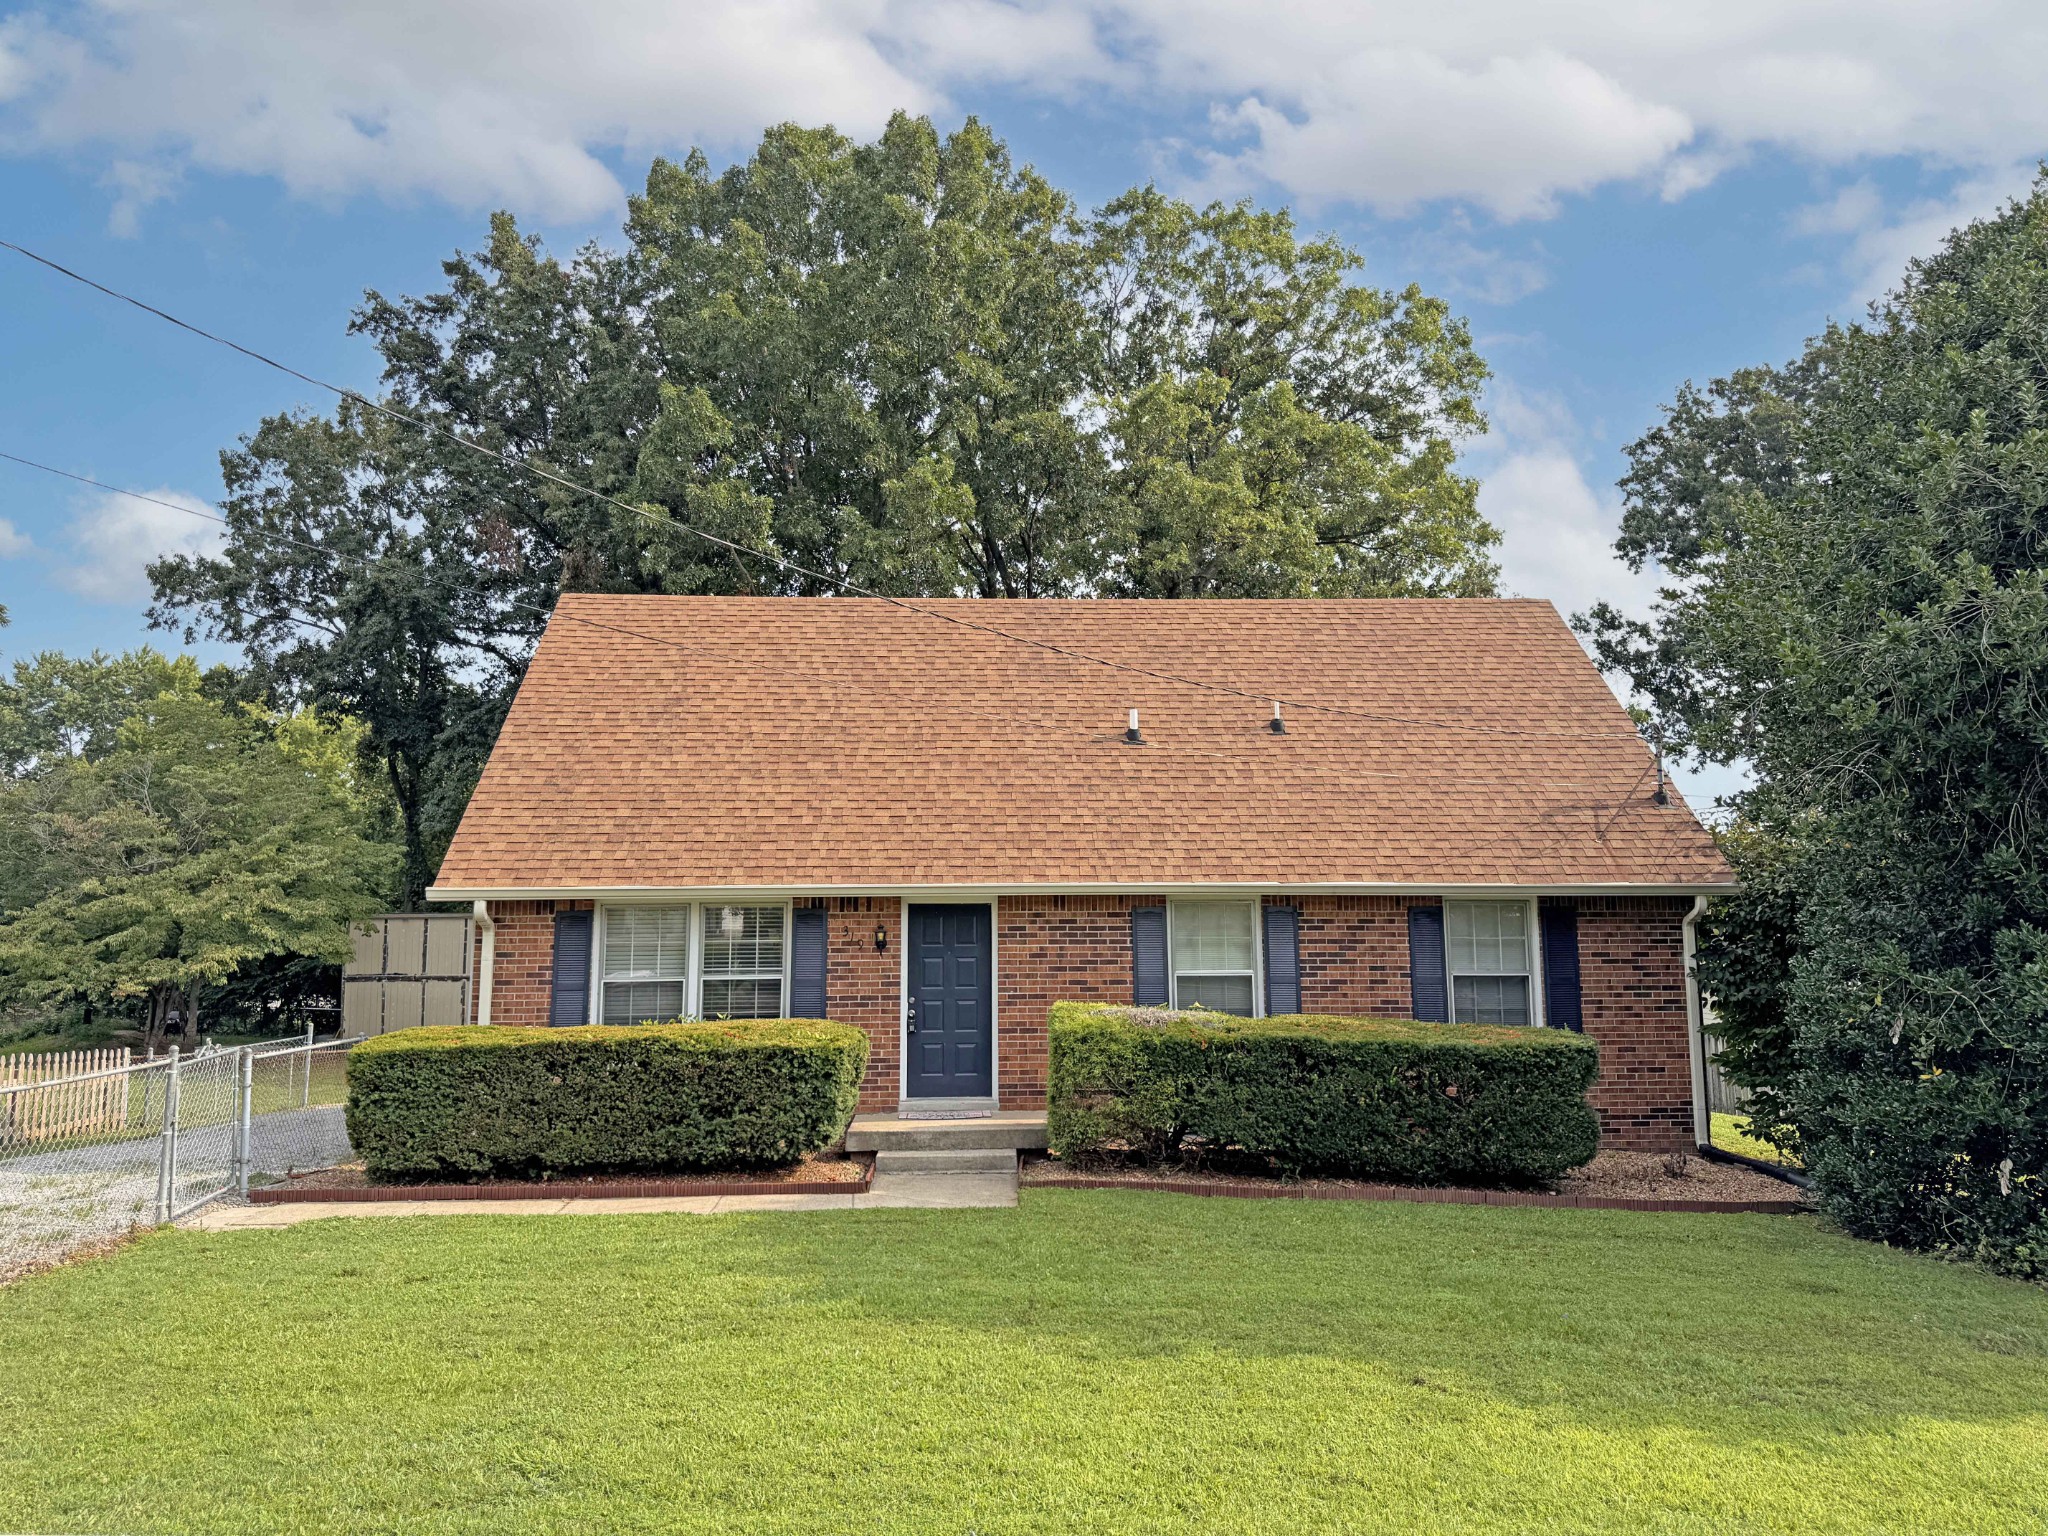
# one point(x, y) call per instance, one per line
point(948, 1030)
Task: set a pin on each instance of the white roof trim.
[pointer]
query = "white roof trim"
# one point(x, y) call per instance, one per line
point(982, 891)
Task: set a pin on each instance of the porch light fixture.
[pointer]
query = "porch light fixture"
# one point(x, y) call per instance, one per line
point(881, 937)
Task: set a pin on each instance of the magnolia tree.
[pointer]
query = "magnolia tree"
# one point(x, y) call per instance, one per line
point(1859, 610)
point(151, 845)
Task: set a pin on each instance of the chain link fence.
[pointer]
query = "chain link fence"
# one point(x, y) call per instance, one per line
point(89, 1157)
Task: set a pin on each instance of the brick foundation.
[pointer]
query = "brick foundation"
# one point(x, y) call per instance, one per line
point(1354, 959)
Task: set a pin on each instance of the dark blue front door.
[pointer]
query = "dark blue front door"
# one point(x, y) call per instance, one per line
point(947, 1039)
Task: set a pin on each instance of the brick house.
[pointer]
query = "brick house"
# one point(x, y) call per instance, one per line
point(935, 819)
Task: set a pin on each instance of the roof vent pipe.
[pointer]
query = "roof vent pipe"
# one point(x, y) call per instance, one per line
point(1276, 725)
point(1132, 734)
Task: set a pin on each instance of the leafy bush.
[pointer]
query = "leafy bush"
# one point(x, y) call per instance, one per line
point(1365, 1097)
point(1856, 547)
point(496, 1100)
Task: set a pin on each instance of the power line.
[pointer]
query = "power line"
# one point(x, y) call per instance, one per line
point(526, 466)
point(1356, 776)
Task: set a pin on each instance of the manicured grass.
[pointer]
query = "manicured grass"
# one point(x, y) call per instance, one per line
point(1102, 1362)
point(1731, 1134)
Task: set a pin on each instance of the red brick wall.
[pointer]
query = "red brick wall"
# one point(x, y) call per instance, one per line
point(1354, 953)
point(524, 962)
point(1632, 978)
point(863, 987)
point(1054, 949)
point(1354, 959)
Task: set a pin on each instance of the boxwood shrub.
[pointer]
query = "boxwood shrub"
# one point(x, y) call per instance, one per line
point(496, 1100)
point(1379, 1098)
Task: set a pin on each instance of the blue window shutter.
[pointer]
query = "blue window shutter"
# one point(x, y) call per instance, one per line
point(807, 963)
point(1562, 1006)
point(1428, 992)
point(1148, 957)
point(569, 1003)
point(1283, 960)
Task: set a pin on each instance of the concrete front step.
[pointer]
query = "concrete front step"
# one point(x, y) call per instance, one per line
point(1009, 1129)
point(956, 1160)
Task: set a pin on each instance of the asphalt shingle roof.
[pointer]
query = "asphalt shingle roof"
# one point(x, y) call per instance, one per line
point(848, 742)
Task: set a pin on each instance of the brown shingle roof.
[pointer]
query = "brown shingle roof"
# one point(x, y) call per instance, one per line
point(845, 742)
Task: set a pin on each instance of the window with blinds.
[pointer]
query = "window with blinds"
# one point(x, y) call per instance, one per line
point(1213, 952)
point(743, 962)
point(711, 961)
point(1487, 944)
point(646, 964)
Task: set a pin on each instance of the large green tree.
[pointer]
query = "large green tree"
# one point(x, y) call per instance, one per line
point(909, 365)
point(194, 839)
point(1859, 610)
point(1273, 428)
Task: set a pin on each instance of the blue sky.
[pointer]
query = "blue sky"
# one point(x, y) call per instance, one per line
point(1618, 197)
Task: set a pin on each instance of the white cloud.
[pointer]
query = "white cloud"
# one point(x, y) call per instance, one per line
point(1396, 128)
point(135, 184)
point(1878, 241)
point(1557, 537)
point(1557, 531)
point(13, 541)
point(1461, 268)
point(1503, 104)
point(112, 540)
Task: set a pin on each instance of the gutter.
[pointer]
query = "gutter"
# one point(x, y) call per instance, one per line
point(487, 962)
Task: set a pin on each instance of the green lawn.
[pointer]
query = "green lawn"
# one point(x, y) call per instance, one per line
point(1731, 1134)
point(1102, 1362)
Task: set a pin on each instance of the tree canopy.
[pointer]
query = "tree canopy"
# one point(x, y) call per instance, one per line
point(155, 839)
point(1855, 543)
point(908, 365)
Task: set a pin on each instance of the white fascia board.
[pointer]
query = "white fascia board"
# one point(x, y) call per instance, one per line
point(984, 891)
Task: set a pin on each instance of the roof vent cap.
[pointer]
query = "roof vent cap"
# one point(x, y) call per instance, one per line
point(1132, 734)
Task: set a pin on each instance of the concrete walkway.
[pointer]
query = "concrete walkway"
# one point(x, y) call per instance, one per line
point(898, 1191)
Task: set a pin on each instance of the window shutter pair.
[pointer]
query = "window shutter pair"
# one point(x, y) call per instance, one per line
point(1151, 987)
point(1429, 987)
point(569, 999)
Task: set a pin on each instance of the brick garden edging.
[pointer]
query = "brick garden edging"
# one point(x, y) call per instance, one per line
point(508, 1189)
point(1248, 1189)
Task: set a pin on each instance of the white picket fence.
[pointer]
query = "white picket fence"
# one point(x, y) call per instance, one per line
point(64, 1109)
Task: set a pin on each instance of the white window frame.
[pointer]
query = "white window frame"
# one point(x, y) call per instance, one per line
point(1537, 1017)
point(703, 932)
point(1255, 906)
point(698, 922)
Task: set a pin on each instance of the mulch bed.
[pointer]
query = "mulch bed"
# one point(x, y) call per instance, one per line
point(1613, 1181)
point(822, 1174)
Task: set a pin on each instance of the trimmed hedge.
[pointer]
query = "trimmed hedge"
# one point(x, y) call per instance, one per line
point(1381, 1098)
point(497, 1100)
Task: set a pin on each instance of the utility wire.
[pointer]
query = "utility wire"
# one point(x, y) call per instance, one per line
point(1359, 776)
point(659, 519)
